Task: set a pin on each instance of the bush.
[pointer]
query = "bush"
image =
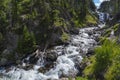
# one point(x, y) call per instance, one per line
point(105, 62)
point(113, 72)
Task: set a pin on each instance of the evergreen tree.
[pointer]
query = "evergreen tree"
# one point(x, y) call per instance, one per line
point(26, 42)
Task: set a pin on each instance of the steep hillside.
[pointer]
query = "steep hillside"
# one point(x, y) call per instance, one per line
point(26, 24)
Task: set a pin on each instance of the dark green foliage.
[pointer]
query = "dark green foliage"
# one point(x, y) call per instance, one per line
point(27, 42)
point(43, 18)
point(42, 14)
point(1, 42)
point(102, 57)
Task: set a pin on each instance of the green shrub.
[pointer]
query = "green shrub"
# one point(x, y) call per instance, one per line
point(91, 19)
point(113, 71)
point(104, 61)
point(102, 57)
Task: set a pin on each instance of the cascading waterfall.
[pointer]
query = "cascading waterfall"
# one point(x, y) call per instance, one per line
point(65, 65)
point(103, 17)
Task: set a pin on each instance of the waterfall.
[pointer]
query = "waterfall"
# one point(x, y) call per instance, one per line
point(103, 17)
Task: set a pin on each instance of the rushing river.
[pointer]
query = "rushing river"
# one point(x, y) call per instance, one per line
point(68, 58)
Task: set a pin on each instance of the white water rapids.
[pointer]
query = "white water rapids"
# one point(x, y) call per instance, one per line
point(65, 63)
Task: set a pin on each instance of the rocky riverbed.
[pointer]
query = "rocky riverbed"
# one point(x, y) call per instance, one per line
point(56, 63)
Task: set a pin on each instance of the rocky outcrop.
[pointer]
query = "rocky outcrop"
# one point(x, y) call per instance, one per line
point(51, 55)
point(115, 20)
point(7, 58)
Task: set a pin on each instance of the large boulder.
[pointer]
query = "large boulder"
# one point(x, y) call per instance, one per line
point(34, 57)
point(74, 31)
point(55, 40)
point(7, 58)
point(51, 55)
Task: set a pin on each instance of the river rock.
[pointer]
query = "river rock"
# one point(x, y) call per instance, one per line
point(90, 51)
point(28, 67)
point(46, 68)
point(51, 55)
point(90, 33)
point(55, 40)
point(35, 56)
point(74, 31)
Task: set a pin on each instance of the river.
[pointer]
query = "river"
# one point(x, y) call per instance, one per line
point(67, 61)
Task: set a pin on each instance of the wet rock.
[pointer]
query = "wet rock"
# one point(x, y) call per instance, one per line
point(46, 68)
point(51, 55)
point(55, 40)
point(97, 39)
point(74, 31)
point(90, 33)
point(90, 51)
point(28, 67)
point(33, 58)
point(42, 69)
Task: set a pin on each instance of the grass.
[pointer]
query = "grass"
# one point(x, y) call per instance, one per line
point(91, 19)
point(81, 78)
point(116, 26)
